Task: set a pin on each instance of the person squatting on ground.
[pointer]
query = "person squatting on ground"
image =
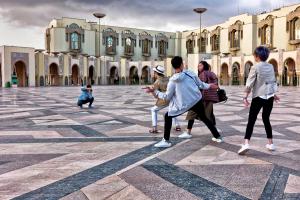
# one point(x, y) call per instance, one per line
point(183, 94)
point(262, 82)
point(160, 84)
point(210, 97)
point(86, 96)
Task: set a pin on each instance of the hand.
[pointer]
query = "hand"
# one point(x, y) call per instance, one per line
point(276, 99)
point(149, 89)
point(214, 86)
point(246, 102)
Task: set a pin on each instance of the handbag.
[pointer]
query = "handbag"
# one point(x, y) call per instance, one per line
point(222, 95)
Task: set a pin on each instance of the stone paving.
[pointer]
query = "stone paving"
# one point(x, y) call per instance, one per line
point(51, 149)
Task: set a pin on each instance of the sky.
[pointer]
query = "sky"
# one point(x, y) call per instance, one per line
point(23, 22)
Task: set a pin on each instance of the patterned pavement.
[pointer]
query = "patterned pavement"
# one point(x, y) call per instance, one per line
point(51, 149)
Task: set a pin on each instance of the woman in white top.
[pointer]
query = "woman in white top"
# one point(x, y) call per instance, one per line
point(262, 82)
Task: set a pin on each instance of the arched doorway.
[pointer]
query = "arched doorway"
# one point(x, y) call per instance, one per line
point(248, 66)
point(20, 71)
point(133, 75)
point(75, 75)
point(275, 66)
point(53, 75)
point(235, 73)
point(146, 75)
point(114, 76)
point(224, 74)
point(290, 76)
point(91, 79)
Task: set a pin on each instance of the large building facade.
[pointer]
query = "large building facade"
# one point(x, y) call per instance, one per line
point(77, 51)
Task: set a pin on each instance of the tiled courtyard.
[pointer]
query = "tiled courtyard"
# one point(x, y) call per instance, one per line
point(51, 149)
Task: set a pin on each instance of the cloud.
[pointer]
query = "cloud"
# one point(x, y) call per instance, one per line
point(167, 15)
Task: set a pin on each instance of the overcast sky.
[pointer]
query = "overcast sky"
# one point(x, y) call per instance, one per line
point(23, 22)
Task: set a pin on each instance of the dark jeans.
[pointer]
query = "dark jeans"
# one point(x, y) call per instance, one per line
point(81, 102)
point(256, 105)
point(209, 112)
point(199, 109)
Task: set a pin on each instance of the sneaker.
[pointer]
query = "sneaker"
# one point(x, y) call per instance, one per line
point(244, 149)
point(270, 147)
point(185, 135)
point(163, 144)
point(218, 140)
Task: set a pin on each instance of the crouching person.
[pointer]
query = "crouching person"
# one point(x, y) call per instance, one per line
point(86, 96)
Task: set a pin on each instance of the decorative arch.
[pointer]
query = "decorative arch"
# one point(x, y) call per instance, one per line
point(235, 35)
point(75, 77)
point(133, 75)
point(161, 42)
point(204, 41)
point(247, 69)
point(289, 76)
point(110, 40)
point(215, 40)
point(53, 76)
point(20, 70)
point(146, 75)
point(236, 73)
point(293, 26)
point(114, 77)
point(129, 42)
point(275, 66)
point(146, 43)
point(266, 31)
point(224, 77)
point(190, 43)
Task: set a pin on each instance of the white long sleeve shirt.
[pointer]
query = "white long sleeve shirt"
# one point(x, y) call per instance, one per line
point(182, 92)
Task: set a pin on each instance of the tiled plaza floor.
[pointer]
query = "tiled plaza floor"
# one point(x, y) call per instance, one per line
point(51, 149)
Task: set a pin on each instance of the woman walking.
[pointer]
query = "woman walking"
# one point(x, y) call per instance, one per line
point(262, 82)
point(209, 98)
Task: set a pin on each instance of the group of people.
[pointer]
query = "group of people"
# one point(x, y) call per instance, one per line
point(196, 94)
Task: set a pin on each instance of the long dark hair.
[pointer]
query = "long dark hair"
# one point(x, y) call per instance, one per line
point(205, 66)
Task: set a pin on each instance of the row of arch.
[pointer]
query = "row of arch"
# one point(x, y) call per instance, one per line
point(288, 77)
point(133, 77)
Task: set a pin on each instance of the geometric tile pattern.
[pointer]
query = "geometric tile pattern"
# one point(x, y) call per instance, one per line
point(51, 149)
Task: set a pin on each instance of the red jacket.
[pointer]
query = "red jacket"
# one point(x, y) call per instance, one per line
point(210, 94)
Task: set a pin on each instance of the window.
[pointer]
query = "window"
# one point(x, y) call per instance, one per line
point(190, 46)
point(109, 42)
point(128, 45)
point(75, 41)
point(297, 29)
point(268, 35)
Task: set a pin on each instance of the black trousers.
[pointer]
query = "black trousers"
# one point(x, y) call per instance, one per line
point(199, 109)
point(256, 105)
point(81, 102)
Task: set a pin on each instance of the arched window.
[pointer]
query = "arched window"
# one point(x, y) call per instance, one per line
point(129, 42)
point(75, 41)
point(235, 35)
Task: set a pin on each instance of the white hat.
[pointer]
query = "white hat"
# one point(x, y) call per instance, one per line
point(159, 69)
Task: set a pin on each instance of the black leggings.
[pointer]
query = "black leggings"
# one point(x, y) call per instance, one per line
point(199, 109)
point(256, 105)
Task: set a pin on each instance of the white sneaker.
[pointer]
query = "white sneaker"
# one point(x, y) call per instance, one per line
point(218, 140)
point(270, 147)
point(163, 144)
point(244, 149)
point(185, 135)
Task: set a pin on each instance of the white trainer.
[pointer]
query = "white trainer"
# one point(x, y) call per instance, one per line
point(244, 149)
point(270, 147)
point(163, 144)
point(218, 140)
point(185, 135)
